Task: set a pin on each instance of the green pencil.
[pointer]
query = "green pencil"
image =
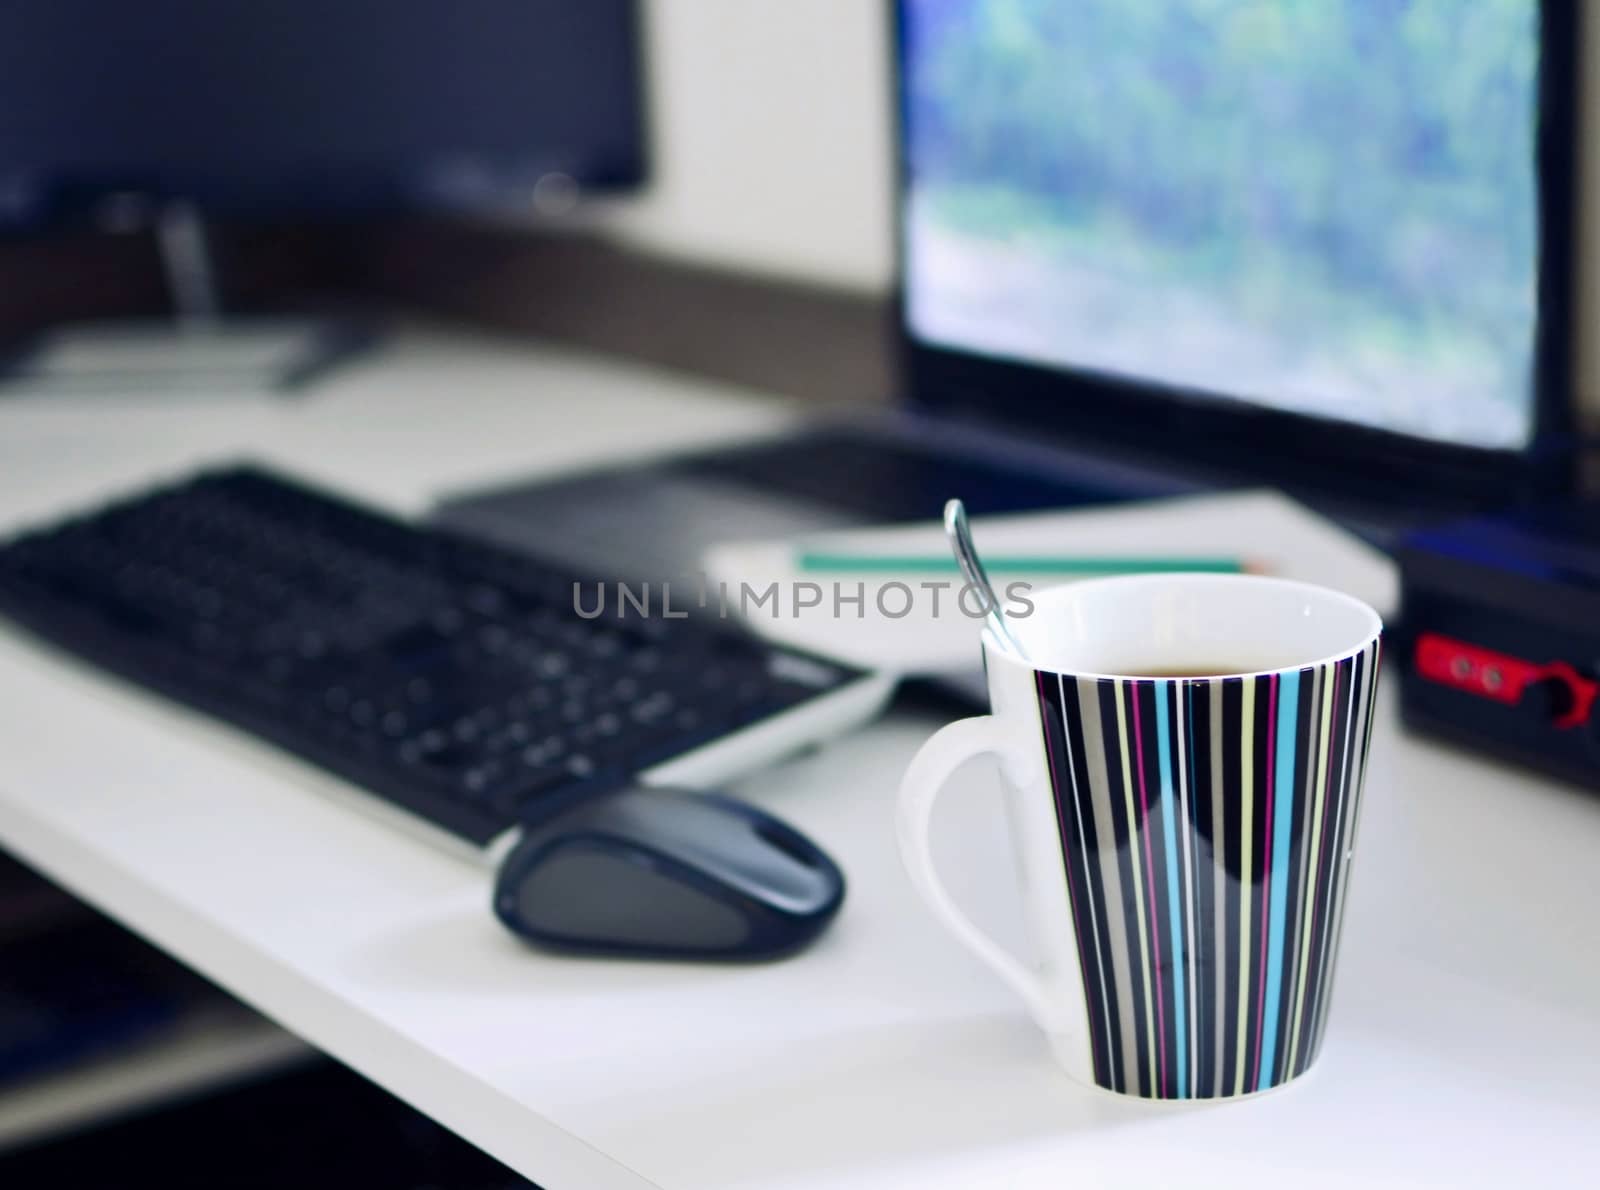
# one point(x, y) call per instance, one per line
point(823, 562)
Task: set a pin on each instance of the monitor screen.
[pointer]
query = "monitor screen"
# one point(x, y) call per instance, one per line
point(1326, 207)
point(314, 105)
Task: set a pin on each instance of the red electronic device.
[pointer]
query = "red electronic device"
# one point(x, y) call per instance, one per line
point(1566, 696)
point(1499, 644)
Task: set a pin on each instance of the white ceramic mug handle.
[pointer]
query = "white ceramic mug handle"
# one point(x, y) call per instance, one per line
point(944, 752)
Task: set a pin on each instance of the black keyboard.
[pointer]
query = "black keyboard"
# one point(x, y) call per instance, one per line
point(448, 676)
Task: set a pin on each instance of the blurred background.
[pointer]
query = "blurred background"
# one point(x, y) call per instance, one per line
point(780, 204)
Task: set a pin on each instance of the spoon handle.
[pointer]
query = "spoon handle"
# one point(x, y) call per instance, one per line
point(960, 535)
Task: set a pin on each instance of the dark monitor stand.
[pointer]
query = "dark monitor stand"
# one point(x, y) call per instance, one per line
point(199, 349)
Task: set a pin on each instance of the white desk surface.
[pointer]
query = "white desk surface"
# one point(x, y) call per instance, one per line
point(1464, 1042)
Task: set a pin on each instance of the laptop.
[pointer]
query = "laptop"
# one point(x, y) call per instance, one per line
point(1156, 248)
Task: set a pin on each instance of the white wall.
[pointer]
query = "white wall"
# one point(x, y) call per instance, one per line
point(771, 136)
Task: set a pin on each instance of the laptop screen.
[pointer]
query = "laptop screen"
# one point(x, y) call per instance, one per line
point(1329, 207)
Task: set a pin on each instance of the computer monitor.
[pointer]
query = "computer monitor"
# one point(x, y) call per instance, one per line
point(1337, 228)
point(167, 112)
point(297, 107)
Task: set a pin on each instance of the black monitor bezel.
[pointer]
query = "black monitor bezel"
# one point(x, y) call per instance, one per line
point(1258, 441)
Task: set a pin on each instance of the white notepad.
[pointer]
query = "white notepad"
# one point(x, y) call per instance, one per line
point(1286, 538)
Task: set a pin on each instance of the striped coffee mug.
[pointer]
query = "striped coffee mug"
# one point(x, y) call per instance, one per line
point(1183, 758)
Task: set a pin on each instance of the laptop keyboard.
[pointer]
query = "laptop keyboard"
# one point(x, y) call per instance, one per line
point(887, 480)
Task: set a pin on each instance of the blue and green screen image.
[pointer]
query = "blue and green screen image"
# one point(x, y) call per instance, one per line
point(1324, 206)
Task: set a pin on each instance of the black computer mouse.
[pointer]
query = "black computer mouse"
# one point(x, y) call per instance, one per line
point(665, 873)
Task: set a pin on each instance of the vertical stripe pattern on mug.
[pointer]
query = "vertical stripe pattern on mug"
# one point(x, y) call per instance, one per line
point(1206, 827)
